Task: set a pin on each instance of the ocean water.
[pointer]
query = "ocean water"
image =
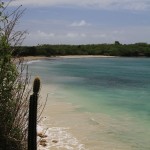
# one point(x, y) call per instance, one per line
point(103, 103)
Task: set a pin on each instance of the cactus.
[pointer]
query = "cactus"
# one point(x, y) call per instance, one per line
point(32, 127)
point(36, 85)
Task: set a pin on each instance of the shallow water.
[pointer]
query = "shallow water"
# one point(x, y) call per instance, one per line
point(101, 103)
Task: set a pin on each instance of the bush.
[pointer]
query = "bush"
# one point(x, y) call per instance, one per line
point(13, 85)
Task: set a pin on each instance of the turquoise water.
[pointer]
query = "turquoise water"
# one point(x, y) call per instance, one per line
point(118, 87)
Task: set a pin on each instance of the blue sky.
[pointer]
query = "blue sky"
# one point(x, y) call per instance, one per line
point(85, 22)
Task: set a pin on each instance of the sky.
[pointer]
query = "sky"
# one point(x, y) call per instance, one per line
point(85, 21)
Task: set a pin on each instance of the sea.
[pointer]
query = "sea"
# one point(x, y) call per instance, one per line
point(95, 103)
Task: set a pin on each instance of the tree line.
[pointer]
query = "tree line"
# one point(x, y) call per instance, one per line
point(116, 49)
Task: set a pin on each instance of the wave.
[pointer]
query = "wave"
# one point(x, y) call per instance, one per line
point(32, 61)
point(59, 138)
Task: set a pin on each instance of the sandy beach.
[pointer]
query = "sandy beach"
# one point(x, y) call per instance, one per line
point(31, 58)
point(84, 56)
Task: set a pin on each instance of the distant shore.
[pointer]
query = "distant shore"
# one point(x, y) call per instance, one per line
point(30, 58)
point(83, 56)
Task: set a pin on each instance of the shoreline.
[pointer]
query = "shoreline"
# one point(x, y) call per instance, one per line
point(30, 58)
point(64, 122)
point(85, 56)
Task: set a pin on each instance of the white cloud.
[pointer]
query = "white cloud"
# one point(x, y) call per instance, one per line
point(72, 35)
point(76, 35)
point(45, 35)
point(92, 36)
point(103, 4)
point(80, 24)
point(42, 37)
point(118, 32)
point(83, 35)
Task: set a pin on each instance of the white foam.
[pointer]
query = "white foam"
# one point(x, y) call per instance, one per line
point(65, 140)
point(32, 61)
point(39, 129)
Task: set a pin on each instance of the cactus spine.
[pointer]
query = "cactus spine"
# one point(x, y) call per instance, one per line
point(32, 127)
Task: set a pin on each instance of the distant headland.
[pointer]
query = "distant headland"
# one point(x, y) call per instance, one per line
point(116, 49)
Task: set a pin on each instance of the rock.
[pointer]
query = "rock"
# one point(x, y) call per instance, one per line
point(44, 136)
point(41, 135)
point(54, 141)
point(43, 142)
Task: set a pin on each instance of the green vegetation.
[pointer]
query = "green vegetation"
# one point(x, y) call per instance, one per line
point(116, 49)
point(13, 93)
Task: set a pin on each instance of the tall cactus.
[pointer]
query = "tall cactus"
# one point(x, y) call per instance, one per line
point(32, 127)
point(36, 85)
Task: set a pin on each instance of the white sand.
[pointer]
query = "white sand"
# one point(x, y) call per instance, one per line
point(84, 56)
point(30, 58)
